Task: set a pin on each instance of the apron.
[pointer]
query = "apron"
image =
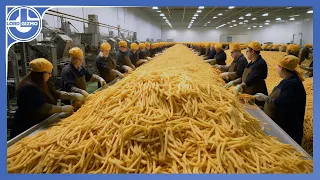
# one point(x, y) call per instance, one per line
point(127, 62)
point(233, 68)
point(108, 76)
point(81, 83)
point(268, 107)
point(259, 87)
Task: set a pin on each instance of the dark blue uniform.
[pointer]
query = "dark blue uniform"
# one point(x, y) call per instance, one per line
point(241, 63)
point(221, 58)
point(286, 106)
point(259, 72)
point(30, 101)
point(70, 74)
point(141, 54)
point(134, 57)
point(212, 53)
point(123, 59)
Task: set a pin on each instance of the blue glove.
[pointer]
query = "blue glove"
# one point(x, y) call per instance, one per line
point(238, 89)
point(261, 97)
point(229, 84)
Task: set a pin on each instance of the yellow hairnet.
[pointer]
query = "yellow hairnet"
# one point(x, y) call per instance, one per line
point(207, 45)
point(41, 65)
point(154, 45)
point(142, 45)
point(134, 46)
point(105, 47)
point(147, 44)
point(76, 53)
point(218, 46)
point(123, 44)
point(236, 47)
point(290, 62)
point(308, 45)
point(255, 45)
point(294, 49)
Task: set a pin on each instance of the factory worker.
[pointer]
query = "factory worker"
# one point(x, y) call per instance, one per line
point(74, 76)
point(147, 50)
point(142, 52)
point(305, 52)
point(211, 52)
point(293, 49)
point(220, 57)
point(207, 50)
point(202, 49)
point(286, 104)
point(107, 66)
point(133, 55)
point(123, 61)
point(153, 50)
point(37, 97)
point(254, 75)
point(236, 68)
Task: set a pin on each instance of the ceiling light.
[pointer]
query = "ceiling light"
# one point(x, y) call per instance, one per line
point(245, 21)
point(260, 26)
point(194, 17)
point(233, 21)
point(241, 17)
point(189, 27)
point(155, 7)
point(214, 17)
point(224, 24)
point(310, 12)
point(217, 27)
point(230, 26)
point(249, 28)
point(235, 25)
point(288, 7)
point(228, 22)
point(266, 23)
point(164, 17)
point(199, 11)
point(249, 14)
point(254, 26)
point(269, 20)
point(191, 22)
point(159, 11)
point(161, 14)
point(253, 18)
point(240, 22)
point(205, 25)
point(278, 19)
point(220, 14)
point(208, 22)
point(231, 7)
point(265, 14)
point(291, 19)
point(201, 7)
point(195, 14)
point(166, 20)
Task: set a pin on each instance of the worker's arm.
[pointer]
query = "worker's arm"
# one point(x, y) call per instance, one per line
point(96, 78)
point(70, 96)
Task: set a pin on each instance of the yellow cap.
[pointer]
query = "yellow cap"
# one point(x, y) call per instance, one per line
point(147, 44)
point(142, 45)
point(105, 47)
point(76, 53)
point(218, 46)
point(289, 62)
point(134, 46)
point(123, 44)
point(212, 44)
point(154, 45)
point(207, 45)
point(255, 45)
point(294, 49)
point(41, 65)
point(308, 45)
point(236, 47)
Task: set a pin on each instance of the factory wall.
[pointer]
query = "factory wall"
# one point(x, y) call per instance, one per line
point(127, 17)
point(277, 33)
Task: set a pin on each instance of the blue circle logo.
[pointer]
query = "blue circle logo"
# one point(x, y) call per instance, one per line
point(23, 23)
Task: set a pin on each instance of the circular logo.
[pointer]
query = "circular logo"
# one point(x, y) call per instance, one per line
point(24, 23)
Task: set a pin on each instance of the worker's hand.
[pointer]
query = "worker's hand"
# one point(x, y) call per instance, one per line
point(261, 97)
point(84, 93)
point(217, 66)
point(149, 58)
point(127, 68)
point(238, 89)
point(67, 109)
point(225, 76)
point(144, 61)
point(103, 83)
point(229, 84)
point(76, 97)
